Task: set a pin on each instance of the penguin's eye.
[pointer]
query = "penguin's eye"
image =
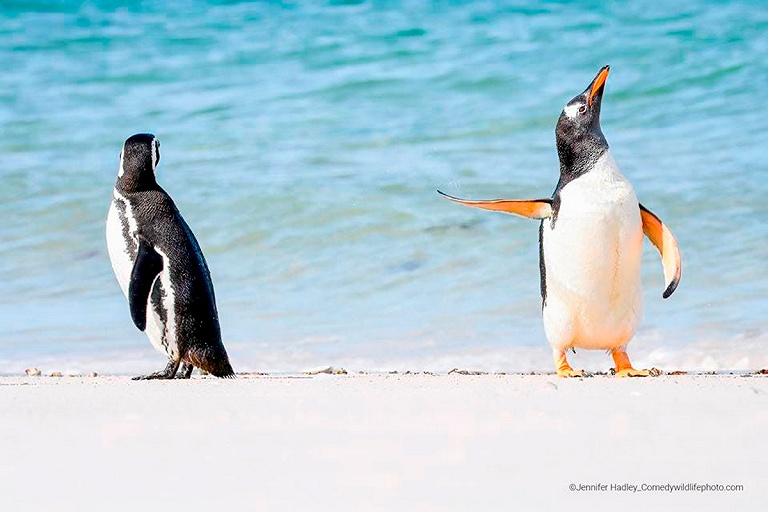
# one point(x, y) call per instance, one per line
point(582, 109)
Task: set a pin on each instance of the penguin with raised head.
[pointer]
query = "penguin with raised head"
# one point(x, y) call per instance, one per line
point(161, 269)
point(591, 242)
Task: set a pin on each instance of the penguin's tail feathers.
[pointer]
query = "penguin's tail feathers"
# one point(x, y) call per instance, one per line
point(213, 360)
point(223, 371)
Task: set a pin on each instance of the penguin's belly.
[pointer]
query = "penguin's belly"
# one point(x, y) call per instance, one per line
point(592, 259)
point(122, 249)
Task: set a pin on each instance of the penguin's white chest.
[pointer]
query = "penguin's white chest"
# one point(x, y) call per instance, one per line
point(122, 245)
point(121, 239)
point(592, 260)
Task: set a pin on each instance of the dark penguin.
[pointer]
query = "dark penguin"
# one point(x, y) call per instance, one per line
point(161, 269)
point(590, 241)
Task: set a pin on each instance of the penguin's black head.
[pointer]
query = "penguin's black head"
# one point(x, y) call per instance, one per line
point(578, 129)
point(138, 161)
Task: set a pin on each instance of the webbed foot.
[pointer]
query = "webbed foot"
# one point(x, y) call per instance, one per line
point(624, 367)
point(631, 372)
point(563, 368)
point(169, 372)
point(569, 372)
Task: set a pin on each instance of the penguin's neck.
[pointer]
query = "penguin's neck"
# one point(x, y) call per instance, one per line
point(578, 156)
point(130, 183)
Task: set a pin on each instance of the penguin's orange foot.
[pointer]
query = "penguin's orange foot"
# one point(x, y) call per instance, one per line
point(631, 372)
point(563, 368)
point(624, 367)
point(569, 372)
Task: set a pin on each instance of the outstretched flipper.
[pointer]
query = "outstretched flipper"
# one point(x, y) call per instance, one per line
point(148, 265)
point(660, 235)
point(528, 208)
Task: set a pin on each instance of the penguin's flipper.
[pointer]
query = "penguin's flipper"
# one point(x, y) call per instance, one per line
point(660, 235)
point(529, 208)
point(148, 265)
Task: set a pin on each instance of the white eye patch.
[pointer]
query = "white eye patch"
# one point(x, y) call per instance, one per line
point(572, 111)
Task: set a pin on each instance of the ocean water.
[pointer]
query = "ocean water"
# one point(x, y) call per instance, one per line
point(304, 143)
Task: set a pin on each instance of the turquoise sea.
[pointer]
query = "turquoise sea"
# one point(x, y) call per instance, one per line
point(304, 142)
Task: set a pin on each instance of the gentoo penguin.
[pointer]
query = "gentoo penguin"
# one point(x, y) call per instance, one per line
point(161, 269)
point(591, 241)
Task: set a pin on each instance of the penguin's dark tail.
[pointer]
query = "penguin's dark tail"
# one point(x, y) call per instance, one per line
point(213, 360)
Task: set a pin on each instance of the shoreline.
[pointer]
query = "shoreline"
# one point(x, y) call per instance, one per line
point(339, 371)
point(737, 355)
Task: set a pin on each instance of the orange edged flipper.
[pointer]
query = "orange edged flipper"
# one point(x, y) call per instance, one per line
point(529, 208)
point(660, 235)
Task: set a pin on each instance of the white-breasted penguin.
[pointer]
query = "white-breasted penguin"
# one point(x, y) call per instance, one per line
point(591, 241)
point(161, 269)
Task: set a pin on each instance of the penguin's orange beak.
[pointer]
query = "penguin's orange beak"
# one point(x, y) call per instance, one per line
point(598, 83)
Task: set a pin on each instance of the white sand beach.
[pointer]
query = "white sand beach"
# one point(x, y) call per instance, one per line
point(376, 442)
